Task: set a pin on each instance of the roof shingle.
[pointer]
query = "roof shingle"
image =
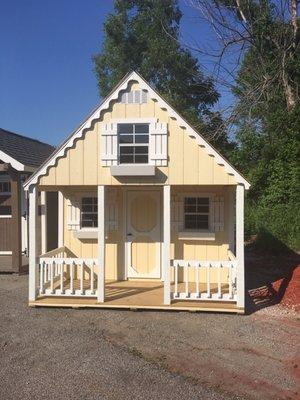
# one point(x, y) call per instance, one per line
point(27, 151)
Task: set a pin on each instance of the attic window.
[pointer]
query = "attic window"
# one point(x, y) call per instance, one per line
point(133, 143)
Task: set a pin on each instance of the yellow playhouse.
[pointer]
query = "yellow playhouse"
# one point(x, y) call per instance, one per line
point(150, 214)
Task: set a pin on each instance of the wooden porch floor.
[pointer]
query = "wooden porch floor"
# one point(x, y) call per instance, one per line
point(135, 295)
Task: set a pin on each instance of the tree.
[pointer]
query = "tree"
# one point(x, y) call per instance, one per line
point(142, 35)
point(261, 40)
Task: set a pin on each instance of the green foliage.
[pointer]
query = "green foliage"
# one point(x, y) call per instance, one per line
point(269, 135)
point(142, 35)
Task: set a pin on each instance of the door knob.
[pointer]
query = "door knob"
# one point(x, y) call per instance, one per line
point(129, 234)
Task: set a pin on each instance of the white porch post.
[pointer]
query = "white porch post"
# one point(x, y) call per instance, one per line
point(60, 219)
point(33, 272)
point(44, 222)
point(166, 243)
point(240, 246)
point(101, 243)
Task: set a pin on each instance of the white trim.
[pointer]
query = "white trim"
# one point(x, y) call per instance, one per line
point(101, 243)
point(231, 217)
point(240, 246)
point(24, 220)
point(85, 233)
point(43, 222)
point(106, 104)
point(60, 219)
point(6, 253)
point(6, 216)
point(15, 163)
point(33, 272)
point(12, 161)
point(166, 243)
point(197, 235)
point(132, 170)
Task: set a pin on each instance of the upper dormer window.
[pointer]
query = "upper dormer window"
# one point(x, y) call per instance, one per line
point(133, 143)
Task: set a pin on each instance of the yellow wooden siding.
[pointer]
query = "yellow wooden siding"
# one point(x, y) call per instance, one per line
point(188, 162)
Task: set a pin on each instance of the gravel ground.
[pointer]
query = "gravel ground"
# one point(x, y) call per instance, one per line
point(106, 354)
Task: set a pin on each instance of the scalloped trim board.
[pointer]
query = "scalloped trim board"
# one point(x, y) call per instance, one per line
point(123, 85)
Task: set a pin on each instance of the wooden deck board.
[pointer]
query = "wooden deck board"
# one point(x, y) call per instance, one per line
point(135, 295)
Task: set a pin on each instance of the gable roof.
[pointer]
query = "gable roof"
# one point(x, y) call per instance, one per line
point(113, 95)
point(21, 151)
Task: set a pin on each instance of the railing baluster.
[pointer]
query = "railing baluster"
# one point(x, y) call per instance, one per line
point(176, 278)
point(186, 279)
point(72, 266)
point(52, 277)
point(62, 267)
point(197, 266)
point(230, 292)
point(208, 280)
point(219, 281)
point(82, 277)
point(92, 277)
point(42, 265)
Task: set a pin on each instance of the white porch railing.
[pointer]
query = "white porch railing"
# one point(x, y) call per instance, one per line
point(186, 288)
point(67, 276)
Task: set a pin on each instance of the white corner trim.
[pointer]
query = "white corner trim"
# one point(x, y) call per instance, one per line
point(105, 105)
point(12, 161)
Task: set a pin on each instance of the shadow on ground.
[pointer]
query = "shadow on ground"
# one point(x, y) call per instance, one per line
point(272, 278)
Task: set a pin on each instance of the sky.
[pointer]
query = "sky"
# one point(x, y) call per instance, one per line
point(47, 82)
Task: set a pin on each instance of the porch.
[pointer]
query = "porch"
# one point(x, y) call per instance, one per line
point(136, 295)
point(66, 281)
point(152, 267)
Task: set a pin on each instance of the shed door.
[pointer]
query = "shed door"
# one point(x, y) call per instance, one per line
point(143, 234)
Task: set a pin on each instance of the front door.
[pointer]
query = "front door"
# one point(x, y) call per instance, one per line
point(143, 234)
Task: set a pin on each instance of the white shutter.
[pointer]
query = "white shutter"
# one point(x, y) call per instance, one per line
point(177, 223)
point(109, 144)
point(218, 213)
point(158, 144)
point(73, 214)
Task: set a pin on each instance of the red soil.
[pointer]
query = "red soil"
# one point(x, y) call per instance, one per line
point(291, 295)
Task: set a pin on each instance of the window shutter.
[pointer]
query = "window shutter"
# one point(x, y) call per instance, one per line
point(73, 214)
point(158, 144)
point(109, 144)
point(177, 223)
point(111, 211)
point(218, 213)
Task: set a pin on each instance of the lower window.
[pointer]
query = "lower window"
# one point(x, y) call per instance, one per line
point(89, 212)
point(196, 213)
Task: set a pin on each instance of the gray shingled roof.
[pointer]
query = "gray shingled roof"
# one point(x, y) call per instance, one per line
point(27, 151)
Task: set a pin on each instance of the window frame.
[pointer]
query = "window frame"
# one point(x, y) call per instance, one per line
point(88, 196)
point(2, 183)
point(134, 144)
point(210, 211)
